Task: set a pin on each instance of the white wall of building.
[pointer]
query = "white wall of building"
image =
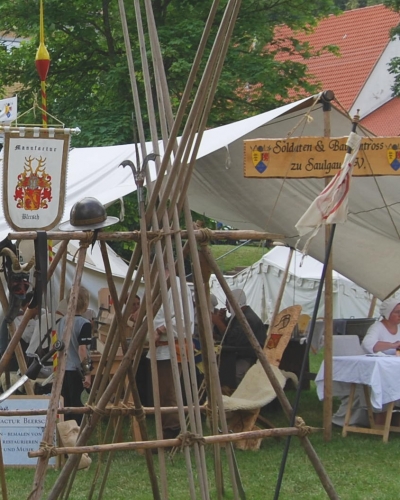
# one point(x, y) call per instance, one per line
point(377, 89)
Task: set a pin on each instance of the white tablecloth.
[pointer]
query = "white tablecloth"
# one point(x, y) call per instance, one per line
point(381, 373)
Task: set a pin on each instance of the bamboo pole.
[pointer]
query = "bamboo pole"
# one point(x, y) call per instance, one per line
point(372, 307)
point(282, 287)
point(200, 234)
point(48, 434)
point(185, 441)
point(62, 276)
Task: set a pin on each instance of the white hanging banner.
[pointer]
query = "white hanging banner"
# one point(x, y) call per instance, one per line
point(8, 109)
point(34, 176)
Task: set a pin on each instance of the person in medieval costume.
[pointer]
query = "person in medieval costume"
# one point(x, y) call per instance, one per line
point(86, 215)
point(235, 336)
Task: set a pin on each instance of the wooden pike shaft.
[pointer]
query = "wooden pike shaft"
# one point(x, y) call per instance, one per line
point(86, 410)
point(131, 376)
point(200, 234)
point(168, 443)
point(41, 468)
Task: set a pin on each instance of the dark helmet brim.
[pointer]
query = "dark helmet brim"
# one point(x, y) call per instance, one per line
point(67, 226)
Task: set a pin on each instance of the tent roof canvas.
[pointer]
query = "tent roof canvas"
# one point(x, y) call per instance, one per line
point(366, 247)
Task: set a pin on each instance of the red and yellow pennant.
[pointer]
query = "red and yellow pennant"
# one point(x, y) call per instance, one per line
point(42, 62)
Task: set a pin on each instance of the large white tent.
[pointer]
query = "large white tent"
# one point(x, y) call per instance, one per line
point(261, 283)
point(366, 247)
point(94, 275)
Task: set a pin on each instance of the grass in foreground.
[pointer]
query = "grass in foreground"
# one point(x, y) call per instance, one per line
point(360, 467)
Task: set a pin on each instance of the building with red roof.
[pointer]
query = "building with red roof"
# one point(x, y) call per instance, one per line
point(359, 74)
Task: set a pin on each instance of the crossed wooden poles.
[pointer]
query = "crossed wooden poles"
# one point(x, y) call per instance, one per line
point(132, 353)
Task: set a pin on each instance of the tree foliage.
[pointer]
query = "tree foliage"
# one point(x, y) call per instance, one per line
point(88, 83)
point(394, 65)
point(355, 4)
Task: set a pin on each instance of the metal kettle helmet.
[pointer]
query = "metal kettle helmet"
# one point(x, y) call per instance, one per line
point(86, 215)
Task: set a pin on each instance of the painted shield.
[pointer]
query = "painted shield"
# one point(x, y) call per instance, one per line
point(393, 156)
point(34, 177)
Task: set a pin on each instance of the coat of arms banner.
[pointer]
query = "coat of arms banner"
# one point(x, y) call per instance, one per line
point(34, 176)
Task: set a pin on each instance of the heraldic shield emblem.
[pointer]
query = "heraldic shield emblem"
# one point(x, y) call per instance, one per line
point(393, 156)
point(260, 159)
point(34, 176)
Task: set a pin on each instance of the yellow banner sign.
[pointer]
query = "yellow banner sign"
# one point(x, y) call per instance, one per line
point(304, 157)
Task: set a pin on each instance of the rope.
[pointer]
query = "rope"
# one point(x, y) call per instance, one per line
point(96, 409)
point(189, 439)
point(84, 243)
point(48, 450)
point(161, 235)
point(304, 429)
point(206, 236)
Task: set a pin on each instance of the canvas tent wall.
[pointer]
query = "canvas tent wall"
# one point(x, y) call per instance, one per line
point(94, 276)
point(262, 280)
point(366, 248)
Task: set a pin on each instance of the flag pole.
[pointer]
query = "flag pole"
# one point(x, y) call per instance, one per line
point(326, 100)
point(42, 62)
point(309, 339)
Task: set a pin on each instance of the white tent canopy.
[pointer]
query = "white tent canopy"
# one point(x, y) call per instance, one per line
point(365, 248)
point(94, 275)
point(261, 283)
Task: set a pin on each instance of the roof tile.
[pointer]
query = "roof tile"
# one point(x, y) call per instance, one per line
point(361, 35)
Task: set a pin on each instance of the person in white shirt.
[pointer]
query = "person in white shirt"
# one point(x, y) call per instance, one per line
point(170, 422)
point(384, 335)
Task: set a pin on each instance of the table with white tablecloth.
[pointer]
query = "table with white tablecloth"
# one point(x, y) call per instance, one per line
point(379, 373)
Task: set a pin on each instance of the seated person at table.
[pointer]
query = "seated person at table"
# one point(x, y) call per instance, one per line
point(218, 318)
point(236, 337)
point(384, 335)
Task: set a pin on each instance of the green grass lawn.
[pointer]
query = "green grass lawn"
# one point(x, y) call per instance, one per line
point(231, 256)
point(361, 467)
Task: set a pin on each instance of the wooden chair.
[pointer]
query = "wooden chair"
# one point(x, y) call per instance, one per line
point(280, 332)
point(255, 390)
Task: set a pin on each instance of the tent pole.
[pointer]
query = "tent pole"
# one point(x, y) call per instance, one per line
point(328, 399)
point(372, 307)
point(282, 287)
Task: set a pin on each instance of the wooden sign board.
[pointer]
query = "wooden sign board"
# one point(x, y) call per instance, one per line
point(307, 157)
point(22, 434)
